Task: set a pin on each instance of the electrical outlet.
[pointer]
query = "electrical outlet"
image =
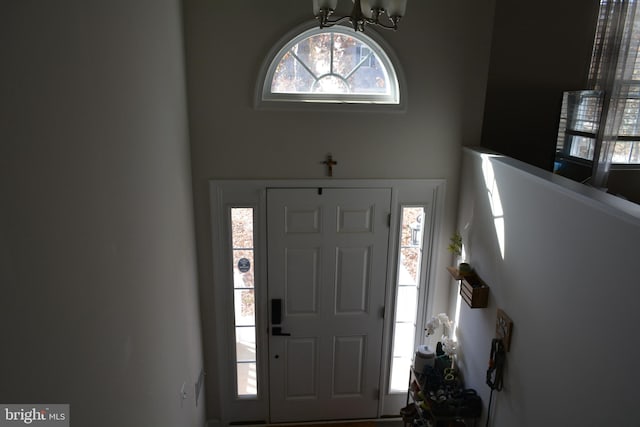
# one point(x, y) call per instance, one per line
point(504, 328)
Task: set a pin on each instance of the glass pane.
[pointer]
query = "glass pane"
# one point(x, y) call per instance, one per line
point(243, 269)
point(242, 228)
point(291, 77)
point(411, 226)
point(634, 157)
point(409, 266)
point(331, 84)
point(367, 80)
point(400, 374)
point(369, 77)
point(630, 122)
point(247, 379)
point(246, 344)
point(244, 307)
point(403, 340)
point(406, 304)
point(346, 54)
point(585, 113)
point(626, 152)
point(315, 53)
point(582, 147)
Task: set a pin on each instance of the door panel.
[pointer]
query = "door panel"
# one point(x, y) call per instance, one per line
point(352, 280)
point(327, 258)
point(301, 280)
point(301, 369)
point(302, 220)
point(355, 220)
point(348, 362)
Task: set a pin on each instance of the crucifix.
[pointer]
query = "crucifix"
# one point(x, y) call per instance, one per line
point(330, 164)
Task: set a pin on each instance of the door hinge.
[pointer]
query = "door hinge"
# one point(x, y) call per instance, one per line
point(382, 311)
point(389, 220)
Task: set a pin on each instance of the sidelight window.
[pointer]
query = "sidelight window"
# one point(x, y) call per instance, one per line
point(244, 306)
point(408, 286)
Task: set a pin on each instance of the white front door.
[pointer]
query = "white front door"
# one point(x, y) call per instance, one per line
point(327, 261)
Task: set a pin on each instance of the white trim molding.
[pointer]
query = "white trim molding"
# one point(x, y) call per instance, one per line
point(225, 194)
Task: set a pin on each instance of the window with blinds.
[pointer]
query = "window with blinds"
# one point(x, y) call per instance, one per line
point(599, 128)
point(579, 124)
point(615, 70)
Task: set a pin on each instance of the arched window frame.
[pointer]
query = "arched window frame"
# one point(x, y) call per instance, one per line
point(395, 101)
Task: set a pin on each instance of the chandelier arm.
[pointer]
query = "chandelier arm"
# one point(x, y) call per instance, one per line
point(331, 22)
point(386, 27)
point(358, 19)
point(393, 20)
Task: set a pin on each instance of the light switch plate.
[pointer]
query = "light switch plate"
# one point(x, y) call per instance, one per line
point(504, 328)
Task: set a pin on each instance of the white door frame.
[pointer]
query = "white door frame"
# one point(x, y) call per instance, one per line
point(225, 194)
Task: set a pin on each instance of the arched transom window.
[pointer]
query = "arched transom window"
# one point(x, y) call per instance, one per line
point(331, 65)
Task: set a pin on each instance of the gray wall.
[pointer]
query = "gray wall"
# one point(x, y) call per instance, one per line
point(567, 282)
point(443, 48)
point(99, 305)
point(626, 183)
point(538, 51)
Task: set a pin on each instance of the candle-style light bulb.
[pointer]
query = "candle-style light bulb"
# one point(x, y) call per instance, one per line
point(395, 8)
point(323, 4)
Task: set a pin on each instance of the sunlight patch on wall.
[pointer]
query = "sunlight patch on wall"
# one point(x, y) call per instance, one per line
point(494, 200)
point(456, 320)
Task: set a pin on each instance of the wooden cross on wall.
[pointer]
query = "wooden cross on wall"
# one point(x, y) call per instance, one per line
point(330, 164)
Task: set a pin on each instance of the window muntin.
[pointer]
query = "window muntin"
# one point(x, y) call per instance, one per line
point(244, 306)
point(331, 65)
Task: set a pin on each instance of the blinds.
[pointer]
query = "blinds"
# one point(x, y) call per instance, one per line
point(579, 124)
point(615, 70)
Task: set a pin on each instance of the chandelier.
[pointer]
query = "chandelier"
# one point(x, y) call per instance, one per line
point(364, 12)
